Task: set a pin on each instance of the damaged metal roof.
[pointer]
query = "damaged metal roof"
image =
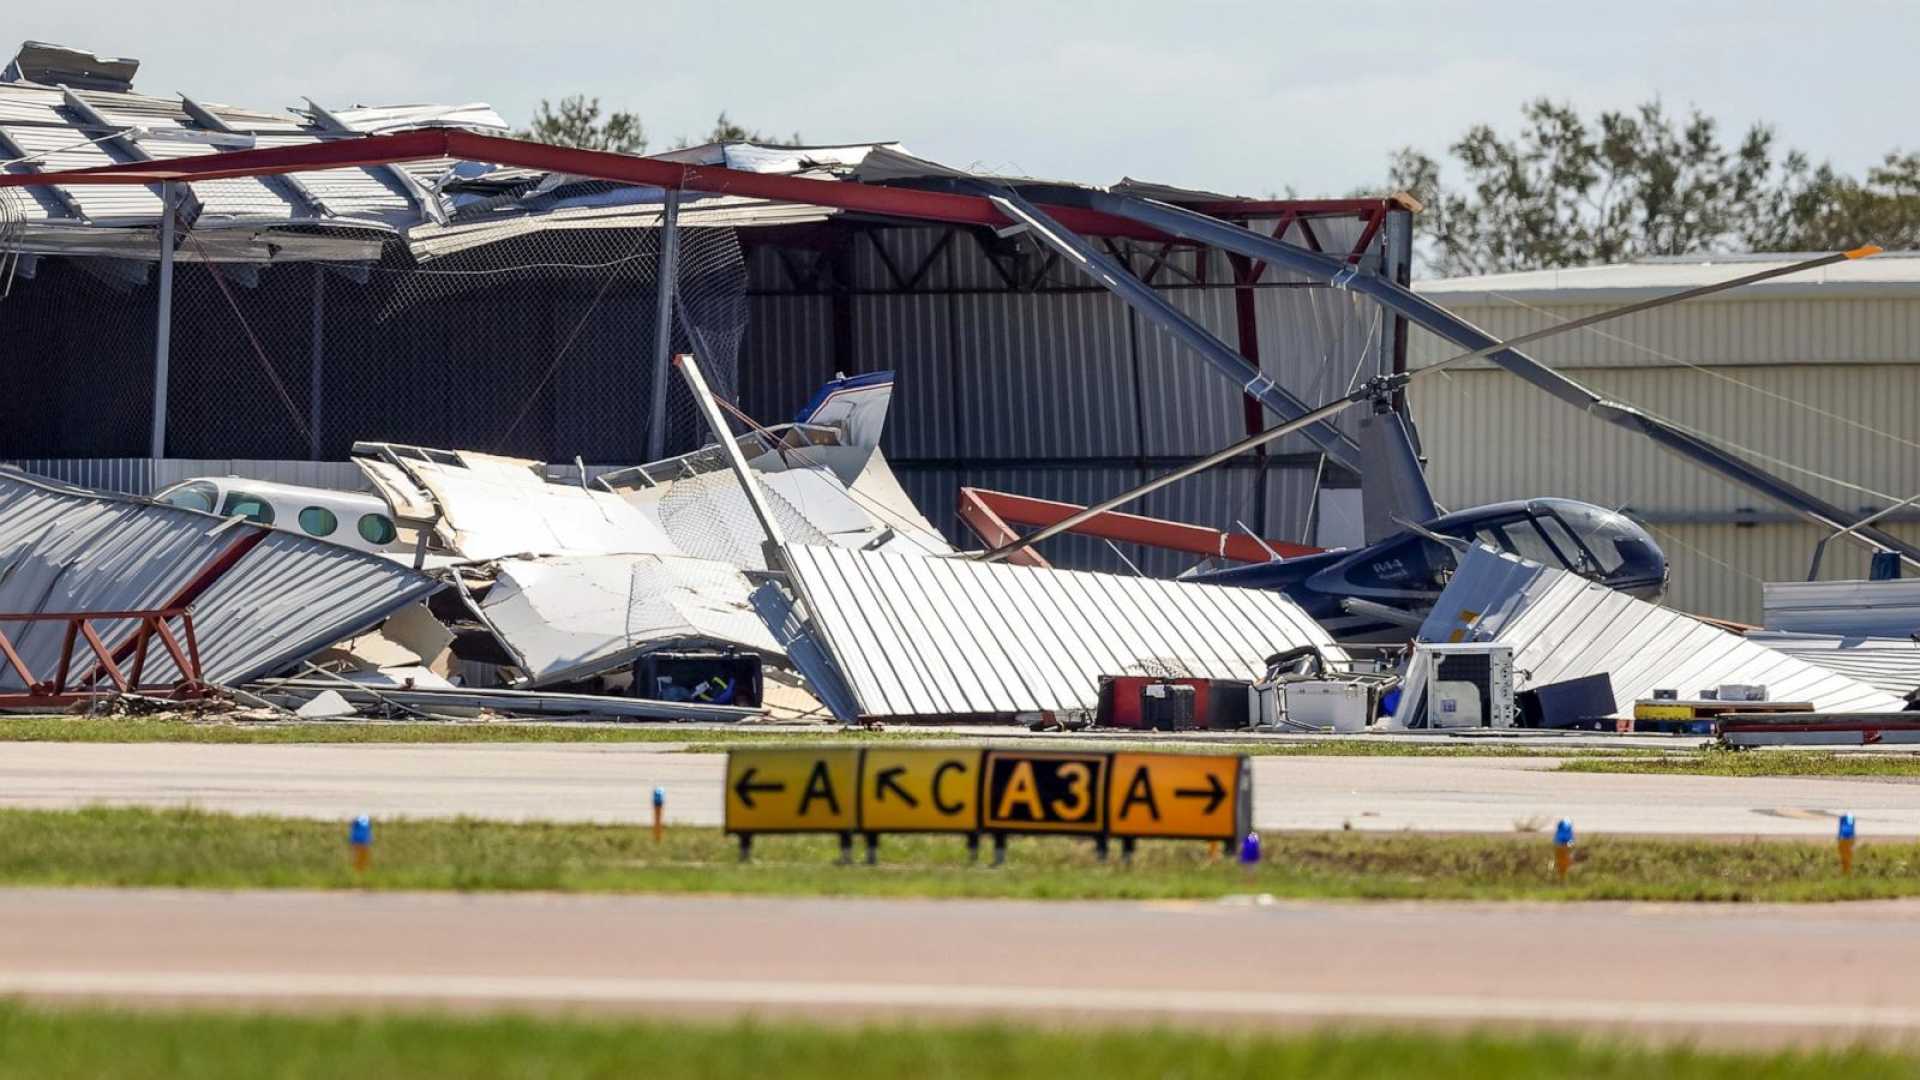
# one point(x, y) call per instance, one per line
point(261, 598)
point(1562, 626)
point(928, 637)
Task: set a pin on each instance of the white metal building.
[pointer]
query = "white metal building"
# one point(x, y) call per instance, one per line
point(1815, 376)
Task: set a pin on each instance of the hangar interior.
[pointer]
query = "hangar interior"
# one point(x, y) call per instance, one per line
point(454, 304)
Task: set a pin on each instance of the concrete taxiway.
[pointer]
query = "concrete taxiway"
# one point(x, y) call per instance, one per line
point(1735, 974)
point(613, 782)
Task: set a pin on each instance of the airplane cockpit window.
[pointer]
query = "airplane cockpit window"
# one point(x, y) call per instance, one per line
point(1611, 537)
point(1527, 542)
point(248, 505)
point(198, 495)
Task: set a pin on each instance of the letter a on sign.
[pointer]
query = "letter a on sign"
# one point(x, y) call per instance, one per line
point(792, 790)
point(1180, 796)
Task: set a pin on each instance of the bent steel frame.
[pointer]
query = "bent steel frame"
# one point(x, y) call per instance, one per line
point(152, 625)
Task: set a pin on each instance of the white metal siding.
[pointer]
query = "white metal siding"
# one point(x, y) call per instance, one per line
point(1737, 332)
point(1491, 436)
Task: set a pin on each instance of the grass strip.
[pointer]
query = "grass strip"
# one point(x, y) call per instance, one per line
point(190, 848)
point(176, 729)
point(92, 1042)
point(1799, 762)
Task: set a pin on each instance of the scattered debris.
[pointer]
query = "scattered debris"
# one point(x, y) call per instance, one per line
point(1561, 627)
point(261, 599)
point(326, 705)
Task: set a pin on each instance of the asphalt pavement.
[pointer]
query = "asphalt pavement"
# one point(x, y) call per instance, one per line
point(613, 782)
point(1735, 974)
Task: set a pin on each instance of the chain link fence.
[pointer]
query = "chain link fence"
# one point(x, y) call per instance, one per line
point(518, 339)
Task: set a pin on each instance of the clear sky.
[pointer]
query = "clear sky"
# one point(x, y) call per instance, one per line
point(1249, 98)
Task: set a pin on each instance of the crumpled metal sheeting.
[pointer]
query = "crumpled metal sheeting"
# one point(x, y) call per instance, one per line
point(569, 617)
point(952, 637)
point(66, 549)
point(1891, 664)
point(492, 507)
point(784, 617)
point(1563, 627)
point(302, 594)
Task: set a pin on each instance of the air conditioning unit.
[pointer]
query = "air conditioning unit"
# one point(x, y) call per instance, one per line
point(1458, 685)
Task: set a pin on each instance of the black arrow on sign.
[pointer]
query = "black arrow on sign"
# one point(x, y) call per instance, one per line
point(746, 787)
point(1214, 793)
point(888, 778)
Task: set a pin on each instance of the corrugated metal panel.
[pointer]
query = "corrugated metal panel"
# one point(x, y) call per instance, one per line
point(1042, 375)
point(144, 476)
point(1564, 627)
point(1190, 407)
point(244, 197)
point(948, 637)
point(1491, 436)
point(1887, 609)
point(66, 148)
point(290, 597)
point(912, 336)
point(790, 339)
point(1889, 664)
point(1720, 570)
point(67, 549)
point(361, 194)
point(1624, 283)
point(1782, 331)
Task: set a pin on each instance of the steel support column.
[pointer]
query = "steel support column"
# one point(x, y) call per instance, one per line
point(316, 365)
point(667, 273)
point(163, 322)
point(1246, 319)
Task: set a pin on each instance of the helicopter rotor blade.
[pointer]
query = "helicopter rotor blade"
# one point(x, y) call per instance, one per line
point(1389, 383)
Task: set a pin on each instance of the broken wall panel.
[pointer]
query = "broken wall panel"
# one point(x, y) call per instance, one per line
point(930, 637)
point(261, 598)
point(1565, 627)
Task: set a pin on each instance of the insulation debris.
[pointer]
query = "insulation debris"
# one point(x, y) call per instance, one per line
point(572, 617)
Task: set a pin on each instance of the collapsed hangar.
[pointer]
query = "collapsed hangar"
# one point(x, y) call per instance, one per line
point(456, 304)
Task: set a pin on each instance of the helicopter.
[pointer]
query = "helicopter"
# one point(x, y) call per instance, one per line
point(1384, 590)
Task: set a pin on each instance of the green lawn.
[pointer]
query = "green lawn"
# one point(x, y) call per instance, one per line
point(1802, 762)
point(129, 847)
point(92, 1042)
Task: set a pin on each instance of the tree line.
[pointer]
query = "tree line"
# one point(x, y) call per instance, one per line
point(1571, 191)
point(578, 121)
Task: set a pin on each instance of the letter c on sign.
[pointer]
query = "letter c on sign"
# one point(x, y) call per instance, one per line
point(939, 802)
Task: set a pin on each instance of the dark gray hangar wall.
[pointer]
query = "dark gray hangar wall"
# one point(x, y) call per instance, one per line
point(1047, 385)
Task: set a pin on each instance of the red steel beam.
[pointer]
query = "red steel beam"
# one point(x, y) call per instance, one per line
point(990, 528)
point(1131, 528)
point(594, 164)
point(623, 168)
